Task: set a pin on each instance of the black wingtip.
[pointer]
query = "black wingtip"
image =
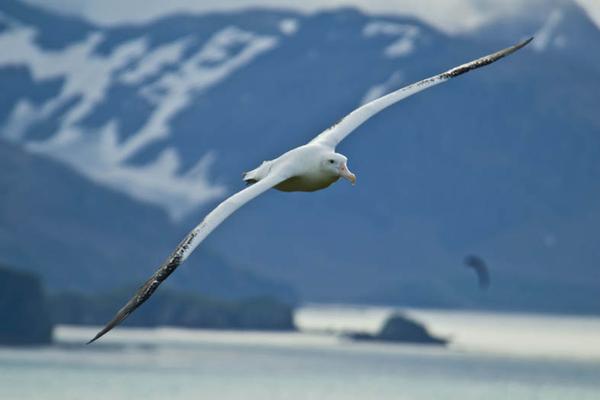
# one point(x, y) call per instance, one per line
point(98, 336)
point(150, 286)
point(142, 294)
point(107, 328)
point(503, 53)
point(525, 42)
point(509, 50)
point(485, 60)
point(121, 315)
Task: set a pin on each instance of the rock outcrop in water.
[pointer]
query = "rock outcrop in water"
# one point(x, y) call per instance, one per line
point(399, 328)
point(23, 310)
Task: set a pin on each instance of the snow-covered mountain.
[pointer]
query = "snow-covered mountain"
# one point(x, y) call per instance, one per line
point(154, 80)
point(170, 112)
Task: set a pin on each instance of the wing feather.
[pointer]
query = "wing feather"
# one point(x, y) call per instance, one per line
point(335, 134)
point(189, 244)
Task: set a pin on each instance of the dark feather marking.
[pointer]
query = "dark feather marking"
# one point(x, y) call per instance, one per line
point(483, 61)
point(150, 286)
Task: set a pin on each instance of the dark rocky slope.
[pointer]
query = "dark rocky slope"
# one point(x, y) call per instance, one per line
point(23, 310)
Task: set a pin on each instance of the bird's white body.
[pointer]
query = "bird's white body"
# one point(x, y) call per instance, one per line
point(307, 168)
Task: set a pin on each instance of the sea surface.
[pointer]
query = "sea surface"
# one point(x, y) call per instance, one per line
point(492, 356)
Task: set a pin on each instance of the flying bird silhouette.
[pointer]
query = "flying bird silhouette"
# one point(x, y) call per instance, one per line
point(307, 168)
point(480, 268)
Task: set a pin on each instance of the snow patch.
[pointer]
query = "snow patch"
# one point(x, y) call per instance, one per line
point(152, 63)
point(288, 26)
point(19, 121)
point(377, 28)
point(407, 36)
point(158, 182)
point(86, 75)
point(401, 47)
point(547, 36)
point(381, 89)
point(225, 52)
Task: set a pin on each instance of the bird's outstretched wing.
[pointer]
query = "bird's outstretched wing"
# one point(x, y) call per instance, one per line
point(190, 242)
point(335, 134)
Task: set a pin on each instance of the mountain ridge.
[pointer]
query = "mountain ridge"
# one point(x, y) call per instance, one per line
point(466, 167)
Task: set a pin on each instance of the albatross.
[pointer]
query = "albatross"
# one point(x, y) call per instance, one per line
point(307, 168)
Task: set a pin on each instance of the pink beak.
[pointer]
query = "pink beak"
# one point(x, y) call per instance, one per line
point(345, 173)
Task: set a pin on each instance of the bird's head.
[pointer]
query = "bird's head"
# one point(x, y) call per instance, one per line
point(337, 164)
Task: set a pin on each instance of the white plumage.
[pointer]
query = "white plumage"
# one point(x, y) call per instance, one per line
point(310, 167)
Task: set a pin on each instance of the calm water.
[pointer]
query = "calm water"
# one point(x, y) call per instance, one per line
point(520, 357)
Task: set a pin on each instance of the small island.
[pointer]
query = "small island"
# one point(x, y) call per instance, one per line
point(23, 310)
point(400, 329)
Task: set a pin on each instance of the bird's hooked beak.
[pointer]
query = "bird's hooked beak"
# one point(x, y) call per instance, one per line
point(345, 173)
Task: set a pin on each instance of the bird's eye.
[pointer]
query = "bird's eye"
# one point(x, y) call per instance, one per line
point(331, 161)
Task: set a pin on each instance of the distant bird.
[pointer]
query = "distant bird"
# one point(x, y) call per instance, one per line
point(480, 268)
point(307, 168)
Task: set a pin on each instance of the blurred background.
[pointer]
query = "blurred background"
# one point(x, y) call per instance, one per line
point(123, 123)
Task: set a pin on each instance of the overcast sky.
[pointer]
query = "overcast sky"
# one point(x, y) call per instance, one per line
point(448, 15)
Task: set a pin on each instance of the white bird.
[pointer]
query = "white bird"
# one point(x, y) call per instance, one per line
point(307, 168)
